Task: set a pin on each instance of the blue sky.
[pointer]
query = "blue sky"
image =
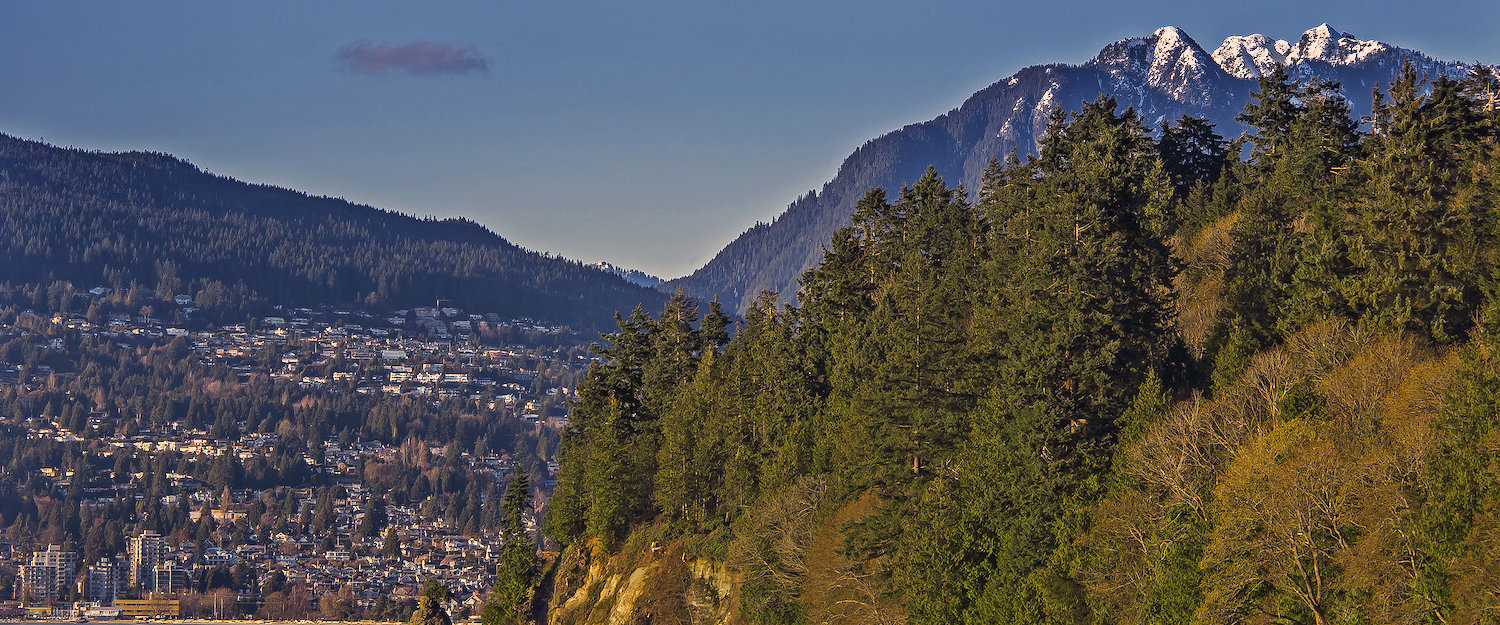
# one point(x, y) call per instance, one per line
point(644, 133)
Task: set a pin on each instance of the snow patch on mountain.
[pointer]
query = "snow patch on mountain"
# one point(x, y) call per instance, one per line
point(1044, 105)
point(633, 276)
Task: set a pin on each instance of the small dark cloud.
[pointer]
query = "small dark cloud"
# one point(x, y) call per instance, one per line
point(421, 58)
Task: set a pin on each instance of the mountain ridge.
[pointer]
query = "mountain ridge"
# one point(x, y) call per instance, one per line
point(148, 218)
point(1162, 75)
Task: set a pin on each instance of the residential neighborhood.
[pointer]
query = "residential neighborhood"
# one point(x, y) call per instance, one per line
point(337, 542)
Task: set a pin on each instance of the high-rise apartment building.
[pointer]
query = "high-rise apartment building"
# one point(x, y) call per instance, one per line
point(47, 572)
point(102, 583)
point(145, 552)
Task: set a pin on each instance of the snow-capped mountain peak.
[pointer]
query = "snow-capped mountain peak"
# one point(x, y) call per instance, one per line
point(1320, 42)
point(1323, 43)
point(1252, 56)
point(1171, 36)
point(1173, 48)
point(1168, 60)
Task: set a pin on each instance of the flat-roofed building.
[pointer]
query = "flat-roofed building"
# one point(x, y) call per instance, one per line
point(102, 583)
point(146, 551)
point(47, 572)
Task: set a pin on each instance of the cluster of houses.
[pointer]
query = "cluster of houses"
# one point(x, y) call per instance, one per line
point(426, 352)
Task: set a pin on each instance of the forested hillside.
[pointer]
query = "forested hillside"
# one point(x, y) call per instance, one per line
point(1163, 76)
point(95, 218)
point(1131, 380)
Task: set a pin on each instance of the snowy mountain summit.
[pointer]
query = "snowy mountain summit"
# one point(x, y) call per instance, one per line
point(1171, 62)
point(1252, 56)
point(1168, 60)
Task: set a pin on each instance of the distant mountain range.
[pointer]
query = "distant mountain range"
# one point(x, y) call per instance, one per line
point(160, 223)
point(1163, 75)
point(633, 276)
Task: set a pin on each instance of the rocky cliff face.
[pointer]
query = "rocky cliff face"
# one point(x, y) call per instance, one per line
point(1162, 75)
point(656, 584)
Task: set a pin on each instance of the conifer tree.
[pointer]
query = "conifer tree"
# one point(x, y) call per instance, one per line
point(1415, 244)
point(906, 392)
point(1192, 152)
point(518, 572)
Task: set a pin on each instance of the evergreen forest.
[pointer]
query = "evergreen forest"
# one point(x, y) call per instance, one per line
point(122, 220)
point(1150, 375)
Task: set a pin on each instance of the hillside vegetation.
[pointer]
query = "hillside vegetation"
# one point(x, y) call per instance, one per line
point(1136, 379)
point(115, 220)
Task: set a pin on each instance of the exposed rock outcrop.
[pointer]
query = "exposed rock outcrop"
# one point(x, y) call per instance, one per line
point(654, 584)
